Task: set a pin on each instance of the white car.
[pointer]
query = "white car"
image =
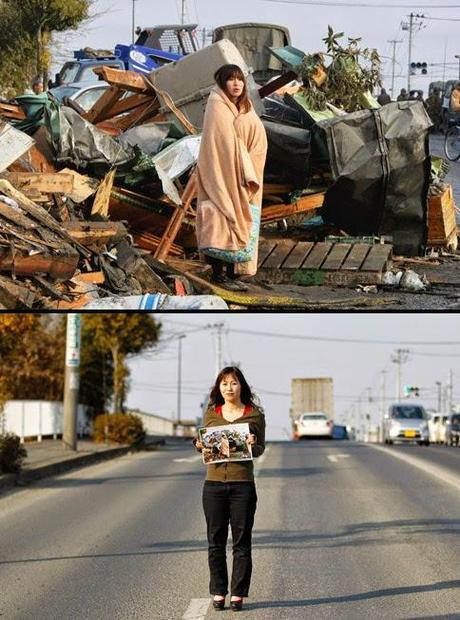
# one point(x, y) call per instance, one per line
point(406, 423)
point(314, 424)
point(84, 93)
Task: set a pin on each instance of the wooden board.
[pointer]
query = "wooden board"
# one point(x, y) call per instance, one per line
point(279, 254)
point(317, 256)
point(378, 258)
point(325, 263)
point(356, 257)
point(298, 255)
point(336, 257)
point(46, 182)
point(265, 248)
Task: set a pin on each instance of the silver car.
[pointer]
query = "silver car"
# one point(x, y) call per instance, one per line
point(406, 422)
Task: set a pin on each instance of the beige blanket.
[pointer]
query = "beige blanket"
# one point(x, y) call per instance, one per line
point(229, 176)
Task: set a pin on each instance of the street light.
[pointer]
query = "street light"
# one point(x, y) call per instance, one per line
point(458, 58)
point(179, 377)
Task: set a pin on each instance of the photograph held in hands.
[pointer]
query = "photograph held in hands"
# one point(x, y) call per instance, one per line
point(222, 444)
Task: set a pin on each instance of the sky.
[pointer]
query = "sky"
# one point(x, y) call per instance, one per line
point(436, 41)
point(282, 348)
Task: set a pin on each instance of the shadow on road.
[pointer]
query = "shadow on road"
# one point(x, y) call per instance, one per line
point(362, 596)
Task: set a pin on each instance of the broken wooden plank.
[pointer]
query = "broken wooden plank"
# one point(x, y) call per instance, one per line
point(336, 257)
point(91, 277)
point(142, 114)
point(124, 80)
point(58, 267)
point(317, 256)
point(279, 254)
point(302, 205)
point(127, 104)
point(89, 233)
point(13, 296)
point(378, 258)
point(14, 215)
point(356, 257)
point(102, 106)
point(48, 183)
point(102, 198)
point(298, 255)
point(12, 111)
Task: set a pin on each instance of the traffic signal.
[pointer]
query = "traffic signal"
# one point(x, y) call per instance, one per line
point(410, 389)
point(421, 66)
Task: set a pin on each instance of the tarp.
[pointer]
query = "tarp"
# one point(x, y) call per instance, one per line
point(288, 155)
point(381, 169)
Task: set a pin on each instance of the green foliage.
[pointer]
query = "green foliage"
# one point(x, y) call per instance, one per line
point(352, 74)
point(26, 37)
point(121, 428)
point(12, 453)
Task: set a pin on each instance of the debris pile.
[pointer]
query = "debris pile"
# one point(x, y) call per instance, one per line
point(101, 204)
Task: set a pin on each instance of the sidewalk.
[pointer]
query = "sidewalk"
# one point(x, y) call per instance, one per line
point(50, 457)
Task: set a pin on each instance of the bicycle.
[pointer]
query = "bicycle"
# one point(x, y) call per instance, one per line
point(452, 143)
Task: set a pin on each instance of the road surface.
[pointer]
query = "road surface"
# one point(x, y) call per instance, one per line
point(343, 530)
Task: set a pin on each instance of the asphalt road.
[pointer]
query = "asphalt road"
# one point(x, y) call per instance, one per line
point(343, 530)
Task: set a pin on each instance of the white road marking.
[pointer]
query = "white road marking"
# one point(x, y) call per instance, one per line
point(197, 609)
point(336, 457)
point(190, 459)
point(437, 471)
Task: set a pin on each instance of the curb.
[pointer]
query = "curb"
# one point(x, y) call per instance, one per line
point(26, 476)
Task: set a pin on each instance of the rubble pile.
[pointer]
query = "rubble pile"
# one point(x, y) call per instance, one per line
point(101, 203)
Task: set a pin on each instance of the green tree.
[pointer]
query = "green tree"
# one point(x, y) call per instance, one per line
point(26, 31)
point(121, 335)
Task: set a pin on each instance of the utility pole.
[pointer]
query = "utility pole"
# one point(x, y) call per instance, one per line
point(457, 56)
point(412, 23)
point(72, 381)
point(382, 402)
point(182, 20)
point(450, 392)
point(393, 66)
point(439, 386)
point(179, 377)
point(134, 21)
point(400, 357)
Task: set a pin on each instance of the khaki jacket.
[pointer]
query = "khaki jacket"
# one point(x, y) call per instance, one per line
point(239, 471)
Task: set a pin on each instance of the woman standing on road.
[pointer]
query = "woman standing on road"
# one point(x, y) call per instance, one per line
point(229, 492)
point(229, 178)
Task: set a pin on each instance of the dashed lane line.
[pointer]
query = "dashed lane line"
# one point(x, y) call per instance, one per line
point(335, 458)
point(442, 473)
point(197, 609)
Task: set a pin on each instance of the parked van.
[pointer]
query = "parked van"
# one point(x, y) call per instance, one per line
point(453, 430)
point(406, 422)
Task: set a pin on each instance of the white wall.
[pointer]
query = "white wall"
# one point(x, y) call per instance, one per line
point(154, 424)
point(37, 418)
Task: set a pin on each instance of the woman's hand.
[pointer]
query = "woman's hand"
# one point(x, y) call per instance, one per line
point(251, 439)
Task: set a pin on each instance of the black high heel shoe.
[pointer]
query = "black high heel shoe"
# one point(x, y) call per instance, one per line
point(218, 605)
point(236, 605)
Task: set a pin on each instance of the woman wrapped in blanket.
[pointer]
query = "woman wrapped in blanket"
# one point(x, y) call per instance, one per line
point(230, 176)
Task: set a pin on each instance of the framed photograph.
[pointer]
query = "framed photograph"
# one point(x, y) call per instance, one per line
point(222, 444)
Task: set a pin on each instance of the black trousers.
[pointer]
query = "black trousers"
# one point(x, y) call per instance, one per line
point(231, 503)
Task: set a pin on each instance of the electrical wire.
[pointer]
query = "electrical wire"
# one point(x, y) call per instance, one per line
point(366, 5)
point(344, 340)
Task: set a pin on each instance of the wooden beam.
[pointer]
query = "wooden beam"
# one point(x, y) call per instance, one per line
point(124, 80)
point(87, 233)
point(302, 205)
point(127, 104)
point(103, 105)
point(46, 182)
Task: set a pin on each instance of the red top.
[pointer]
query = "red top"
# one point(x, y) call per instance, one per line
point(247, 409)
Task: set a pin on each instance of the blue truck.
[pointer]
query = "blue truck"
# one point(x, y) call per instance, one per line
point(153, 48)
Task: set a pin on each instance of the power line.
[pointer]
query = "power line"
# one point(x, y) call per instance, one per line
point(345, 340)
point(360, 5)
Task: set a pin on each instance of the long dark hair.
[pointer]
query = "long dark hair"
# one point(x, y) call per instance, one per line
point(225, 73)
point(216, 398)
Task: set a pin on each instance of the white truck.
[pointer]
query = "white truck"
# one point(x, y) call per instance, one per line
point(311, 395)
